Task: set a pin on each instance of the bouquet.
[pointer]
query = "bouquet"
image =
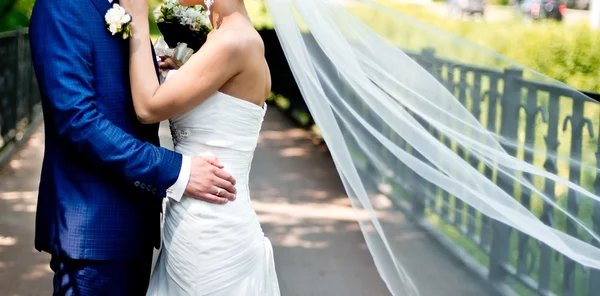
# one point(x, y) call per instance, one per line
point(179, 54)
point(182, 24)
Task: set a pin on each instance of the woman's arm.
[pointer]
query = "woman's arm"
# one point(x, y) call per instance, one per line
point(204, 73)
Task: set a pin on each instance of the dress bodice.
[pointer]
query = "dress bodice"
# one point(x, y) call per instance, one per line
point(212, 249)
point(224, 126)
point(221, 121)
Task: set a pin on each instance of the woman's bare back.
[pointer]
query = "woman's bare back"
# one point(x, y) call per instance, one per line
point(253, 82)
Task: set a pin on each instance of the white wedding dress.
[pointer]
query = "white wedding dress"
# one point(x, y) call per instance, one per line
point(208, 249)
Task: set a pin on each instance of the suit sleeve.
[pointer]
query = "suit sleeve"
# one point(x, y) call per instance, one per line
point(62, 58)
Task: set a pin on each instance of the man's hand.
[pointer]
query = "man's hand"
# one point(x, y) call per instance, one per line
point(209, 182)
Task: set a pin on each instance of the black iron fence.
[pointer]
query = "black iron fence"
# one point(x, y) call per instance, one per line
point(19, 94)
point(547, 116)
point(513, 256)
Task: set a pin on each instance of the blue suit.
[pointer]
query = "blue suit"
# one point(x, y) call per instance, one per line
point(103, 175)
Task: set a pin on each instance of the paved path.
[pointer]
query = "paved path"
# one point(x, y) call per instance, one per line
point(319, 249)
point(23, 271)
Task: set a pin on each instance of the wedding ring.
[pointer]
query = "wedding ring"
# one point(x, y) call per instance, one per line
point(218, 191)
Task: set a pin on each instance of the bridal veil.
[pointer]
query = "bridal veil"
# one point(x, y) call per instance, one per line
point(398, 124)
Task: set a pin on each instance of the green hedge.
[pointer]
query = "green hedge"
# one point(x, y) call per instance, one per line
point(17, 16)
point(566, 52)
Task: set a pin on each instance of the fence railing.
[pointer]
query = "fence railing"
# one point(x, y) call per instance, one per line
point(547, 115)
point(515, 256)
point(19, 94)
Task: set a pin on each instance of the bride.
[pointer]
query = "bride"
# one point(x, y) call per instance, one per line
point(216, 104)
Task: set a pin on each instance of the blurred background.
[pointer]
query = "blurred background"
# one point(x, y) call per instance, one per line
point(554, 37)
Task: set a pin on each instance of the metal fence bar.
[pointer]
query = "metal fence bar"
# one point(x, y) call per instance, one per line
point(594, 280)
point(500, 250)
point(578, 123)
point(477, 99)
point(531, 110)
point(19, 95)
point(493, 97)
point(547, 216)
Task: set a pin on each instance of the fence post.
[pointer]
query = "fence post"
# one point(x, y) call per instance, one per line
point(21, 102)
point(594, 280)
point(509, 124)
point(550, 165)
point(427, 60)
point(419, 195)
point(430, 63)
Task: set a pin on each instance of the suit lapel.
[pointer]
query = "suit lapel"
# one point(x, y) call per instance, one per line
point(102, 5)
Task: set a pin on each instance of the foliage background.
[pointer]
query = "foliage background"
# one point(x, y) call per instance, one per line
point(567, 52)
point(14, 14)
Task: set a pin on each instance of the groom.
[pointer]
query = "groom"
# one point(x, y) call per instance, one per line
point(103, 175)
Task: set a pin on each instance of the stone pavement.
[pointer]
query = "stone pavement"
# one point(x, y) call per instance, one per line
point(319, 249)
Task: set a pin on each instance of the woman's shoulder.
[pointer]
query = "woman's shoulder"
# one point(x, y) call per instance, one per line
point(238, 40)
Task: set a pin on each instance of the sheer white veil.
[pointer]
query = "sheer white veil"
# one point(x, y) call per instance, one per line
point(393, 127)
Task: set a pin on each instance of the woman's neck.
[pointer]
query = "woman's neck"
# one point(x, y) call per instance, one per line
point(223, 12)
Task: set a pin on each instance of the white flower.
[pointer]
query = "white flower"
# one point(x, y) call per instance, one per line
point(158, 16)
point(114, 28)
point(194, 17)
point(188, 17)
point(204, 20)
point(118, 21)
point(115, 14)
point(172, 3)
point(178, 11)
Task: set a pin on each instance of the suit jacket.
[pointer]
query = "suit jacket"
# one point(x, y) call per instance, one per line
point(103, 173)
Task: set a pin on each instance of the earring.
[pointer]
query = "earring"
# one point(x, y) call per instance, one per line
point(208, 4)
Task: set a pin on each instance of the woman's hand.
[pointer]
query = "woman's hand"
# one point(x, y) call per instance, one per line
point(169, 63)
point(138, 9)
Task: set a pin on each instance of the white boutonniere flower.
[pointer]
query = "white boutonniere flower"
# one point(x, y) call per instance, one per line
point(118, 21)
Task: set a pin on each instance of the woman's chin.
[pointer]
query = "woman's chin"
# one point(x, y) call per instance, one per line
point(191, 2)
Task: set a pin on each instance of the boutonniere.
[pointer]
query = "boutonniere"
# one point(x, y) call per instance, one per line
point(118, 21)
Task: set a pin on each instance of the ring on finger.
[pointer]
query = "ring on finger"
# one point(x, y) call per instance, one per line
point(218, 191)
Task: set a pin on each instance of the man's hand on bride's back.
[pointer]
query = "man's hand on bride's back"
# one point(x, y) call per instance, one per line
point(209, 181)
